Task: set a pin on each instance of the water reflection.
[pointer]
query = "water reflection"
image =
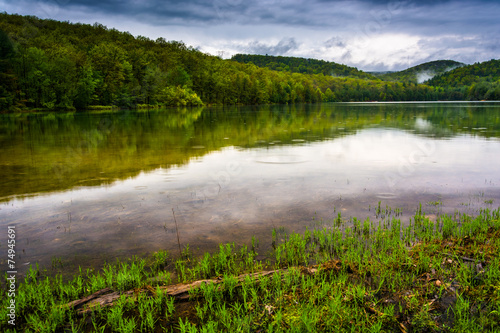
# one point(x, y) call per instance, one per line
point(91, 187)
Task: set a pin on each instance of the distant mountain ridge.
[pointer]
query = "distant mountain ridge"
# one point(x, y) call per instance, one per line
point(302, 65)
point(454, 80)
point(420, 73)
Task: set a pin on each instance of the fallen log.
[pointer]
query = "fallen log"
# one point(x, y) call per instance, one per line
point(106, 297)
point(79, 302)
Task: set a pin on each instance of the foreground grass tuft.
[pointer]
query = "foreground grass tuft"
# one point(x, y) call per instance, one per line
point(356, 276)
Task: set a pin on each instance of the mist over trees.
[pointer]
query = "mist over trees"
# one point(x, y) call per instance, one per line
point(46, 64)
point(422, 72)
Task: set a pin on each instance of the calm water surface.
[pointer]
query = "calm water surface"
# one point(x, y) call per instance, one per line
point(92, 187)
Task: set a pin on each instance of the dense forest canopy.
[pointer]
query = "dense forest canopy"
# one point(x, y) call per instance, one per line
point(47, 64)
point(302, 65)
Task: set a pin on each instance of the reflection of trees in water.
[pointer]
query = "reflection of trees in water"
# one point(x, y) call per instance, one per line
point(51, 152)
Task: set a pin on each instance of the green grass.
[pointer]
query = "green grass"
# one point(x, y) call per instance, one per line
point(341, 276)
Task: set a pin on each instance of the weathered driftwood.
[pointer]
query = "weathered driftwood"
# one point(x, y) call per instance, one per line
point(106, 297)
point(79, 302)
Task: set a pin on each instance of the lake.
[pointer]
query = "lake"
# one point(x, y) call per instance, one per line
point(91, 187)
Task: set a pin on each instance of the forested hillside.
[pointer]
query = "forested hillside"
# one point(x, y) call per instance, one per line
point(302, 65)
point(478, 81)
point(422, 72)
point(46, 64)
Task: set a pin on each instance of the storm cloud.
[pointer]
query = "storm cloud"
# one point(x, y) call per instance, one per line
point(368, 34)
point(282, 47)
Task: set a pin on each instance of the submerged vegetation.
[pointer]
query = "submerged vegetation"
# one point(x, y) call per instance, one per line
point(341, 276)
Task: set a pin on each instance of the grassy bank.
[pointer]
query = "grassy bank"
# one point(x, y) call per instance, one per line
point(342, 276)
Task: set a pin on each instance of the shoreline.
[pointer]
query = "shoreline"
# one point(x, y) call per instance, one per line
point(438, 275)
point(139, 107)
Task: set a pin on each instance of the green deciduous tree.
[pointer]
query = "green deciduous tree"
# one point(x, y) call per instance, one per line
point(86, 86)
point(7, 75)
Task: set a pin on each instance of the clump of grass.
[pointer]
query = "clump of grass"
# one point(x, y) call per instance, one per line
point(346, 275)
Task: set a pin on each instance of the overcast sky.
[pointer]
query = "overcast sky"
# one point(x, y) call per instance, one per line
point(368, 34)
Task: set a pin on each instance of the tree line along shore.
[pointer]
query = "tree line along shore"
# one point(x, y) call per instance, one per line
point(47, 64)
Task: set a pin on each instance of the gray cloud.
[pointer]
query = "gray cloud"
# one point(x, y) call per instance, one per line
point(462, 30)
point(346, 57)
point(467, 49)
point(335, 42)
point(406, 14)
point(281, 48)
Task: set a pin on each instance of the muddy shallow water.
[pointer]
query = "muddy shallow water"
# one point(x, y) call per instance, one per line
point(87, 188)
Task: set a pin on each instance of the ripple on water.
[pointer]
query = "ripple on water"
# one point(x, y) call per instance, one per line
point(281, 159)
point(172, 173)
